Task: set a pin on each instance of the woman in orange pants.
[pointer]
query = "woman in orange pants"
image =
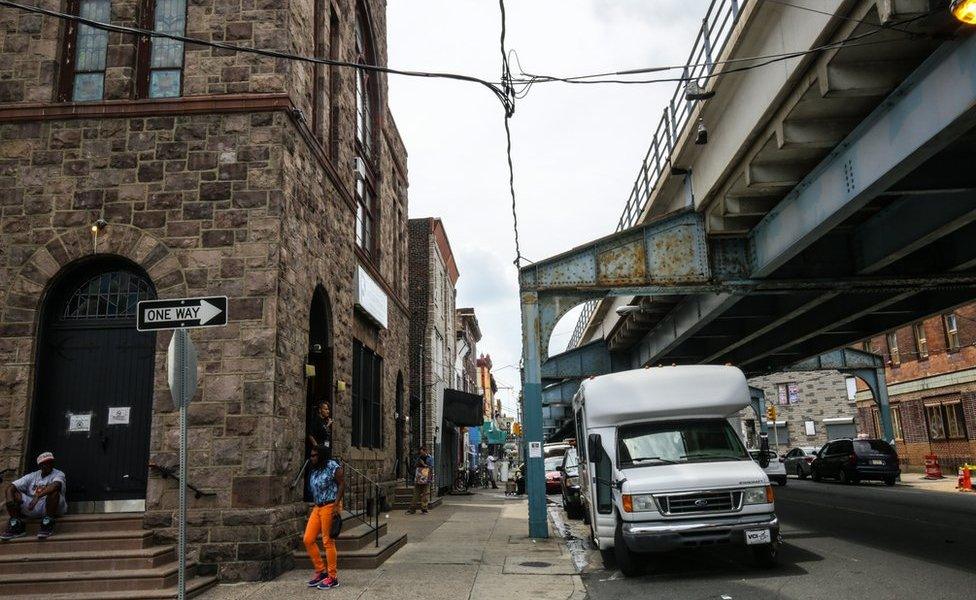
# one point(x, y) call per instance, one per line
point(325, 482)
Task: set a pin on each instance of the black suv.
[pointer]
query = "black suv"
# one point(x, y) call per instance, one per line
point(850, 461)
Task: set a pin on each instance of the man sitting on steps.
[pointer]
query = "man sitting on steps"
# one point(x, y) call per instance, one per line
point(38, 494)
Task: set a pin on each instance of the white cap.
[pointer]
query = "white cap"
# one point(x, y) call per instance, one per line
point(44, 457)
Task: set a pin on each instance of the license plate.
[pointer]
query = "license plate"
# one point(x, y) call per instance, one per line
point(877, 462)
point(757, 536)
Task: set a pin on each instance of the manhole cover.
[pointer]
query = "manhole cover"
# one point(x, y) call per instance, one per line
point(535, 563)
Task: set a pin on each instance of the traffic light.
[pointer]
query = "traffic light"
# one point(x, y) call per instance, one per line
point(771, 413)
point(517, 429)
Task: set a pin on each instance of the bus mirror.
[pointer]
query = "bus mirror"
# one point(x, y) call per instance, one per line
point(593, 445)
point(763, 450)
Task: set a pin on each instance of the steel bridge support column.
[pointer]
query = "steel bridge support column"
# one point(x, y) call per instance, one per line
point(535, 484)
point(875, 378)
point(758, 398)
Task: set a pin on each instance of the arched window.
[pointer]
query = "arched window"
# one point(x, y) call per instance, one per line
point(110, 295)
point(366, 111)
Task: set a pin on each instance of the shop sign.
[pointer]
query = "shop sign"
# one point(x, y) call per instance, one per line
point(371, 298)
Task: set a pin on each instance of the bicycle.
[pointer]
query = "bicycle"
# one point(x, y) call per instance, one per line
point(461, 481)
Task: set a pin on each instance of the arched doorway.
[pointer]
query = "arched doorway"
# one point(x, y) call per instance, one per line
point(94, 387)
point(318, 371)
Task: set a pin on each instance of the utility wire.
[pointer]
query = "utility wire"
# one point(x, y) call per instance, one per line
point(499, 91)
point(893, 27)
point(767, 58)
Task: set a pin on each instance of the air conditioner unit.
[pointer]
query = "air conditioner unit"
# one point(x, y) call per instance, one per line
point(359, 166)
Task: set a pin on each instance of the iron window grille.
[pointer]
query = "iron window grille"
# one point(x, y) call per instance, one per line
point(110, 295)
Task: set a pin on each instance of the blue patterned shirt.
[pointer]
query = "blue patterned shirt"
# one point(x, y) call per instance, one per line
point(322, 483)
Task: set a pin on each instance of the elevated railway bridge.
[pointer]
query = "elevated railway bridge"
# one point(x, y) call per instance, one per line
point(833, 198)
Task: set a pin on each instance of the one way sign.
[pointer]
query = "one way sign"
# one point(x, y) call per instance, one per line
point(182, 313)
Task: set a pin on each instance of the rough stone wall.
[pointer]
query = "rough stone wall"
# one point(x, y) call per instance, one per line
point(195, 200)
point(823, 395)
point(30, 49)
point(419, 286)
point(233, 204)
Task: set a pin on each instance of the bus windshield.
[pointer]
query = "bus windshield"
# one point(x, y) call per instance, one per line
point(673, 442)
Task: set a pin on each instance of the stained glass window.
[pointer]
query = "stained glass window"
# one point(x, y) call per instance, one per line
point(91, 47)
point(166, 62)
point(111, 295)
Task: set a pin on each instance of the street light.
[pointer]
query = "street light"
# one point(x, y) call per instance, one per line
point(630, 309)
point(964, 10)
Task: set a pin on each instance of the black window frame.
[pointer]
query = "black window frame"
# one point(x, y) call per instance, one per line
point(367, 397)
point(366, 134)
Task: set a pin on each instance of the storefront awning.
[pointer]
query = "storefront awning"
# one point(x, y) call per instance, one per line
point(463, 409)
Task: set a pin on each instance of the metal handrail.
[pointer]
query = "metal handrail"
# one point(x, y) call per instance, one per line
point(362, 494)
point(716, 30)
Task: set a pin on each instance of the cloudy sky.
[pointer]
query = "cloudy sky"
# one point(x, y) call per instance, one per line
point(576, 148)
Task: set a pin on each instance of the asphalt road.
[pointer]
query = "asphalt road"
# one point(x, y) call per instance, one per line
point(864, 541)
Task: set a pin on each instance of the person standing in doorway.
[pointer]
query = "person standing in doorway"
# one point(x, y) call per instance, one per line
point(423, 476)
point(320, 429)
point(326, 486)
point(491, 471)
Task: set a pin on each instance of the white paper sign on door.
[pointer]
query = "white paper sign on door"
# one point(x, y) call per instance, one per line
point(79, 423)
point(118, 415)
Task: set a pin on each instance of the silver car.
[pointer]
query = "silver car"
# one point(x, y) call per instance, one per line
point(798, 460)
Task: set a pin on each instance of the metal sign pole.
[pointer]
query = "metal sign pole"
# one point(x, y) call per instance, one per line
point(183, 383)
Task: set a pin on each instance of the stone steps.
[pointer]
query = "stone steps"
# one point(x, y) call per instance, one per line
point(368, 556)
point(93, 556)
point(98, 560)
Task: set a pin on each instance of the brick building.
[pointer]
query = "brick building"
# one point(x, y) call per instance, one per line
point(465, 365)
point(931, 375)
point(279, 184)
point(433, 339)
point(813, 407)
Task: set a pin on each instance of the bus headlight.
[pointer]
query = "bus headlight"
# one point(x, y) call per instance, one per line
point(638, 503)
point(758, 495)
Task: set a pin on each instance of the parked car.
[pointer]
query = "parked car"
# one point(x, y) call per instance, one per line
point(776, 470)
point(798, 460)
point(553, 475)
point(570, 485)
point(851, 461)
point(555, 449)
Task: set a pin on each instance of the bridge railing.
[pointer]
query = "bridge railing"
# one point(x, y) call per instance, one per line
point(716, 29)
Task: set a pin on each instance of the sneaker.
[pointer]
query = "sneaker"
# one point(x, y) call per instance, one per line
point(328, 583)
point(317, 579)
point(47, 528)
point(15, 529)
point(423, 511)
point(411, 511)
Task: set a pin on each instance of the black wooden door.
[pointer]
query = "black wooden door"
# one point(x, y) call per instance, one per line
point(93, 406)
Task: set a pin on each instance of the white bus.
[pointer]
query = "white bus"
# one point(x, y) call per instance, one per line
point(663, 467)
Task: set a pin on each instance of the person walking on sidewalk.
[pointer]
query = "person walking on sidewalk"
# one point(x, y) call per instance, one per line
point(423, 476)
point(326, 486)
point(491, 471)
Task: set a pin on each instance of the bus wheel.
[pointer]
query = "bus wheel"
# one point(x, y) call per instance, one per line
point(626, 559)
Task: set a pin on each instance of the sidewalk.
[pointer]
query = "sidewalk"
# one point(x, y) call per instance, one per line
point(918, 481)
point(469, 548)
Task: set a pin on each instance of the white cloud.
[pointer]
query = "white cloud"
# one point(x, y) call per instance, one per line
point(576, 148)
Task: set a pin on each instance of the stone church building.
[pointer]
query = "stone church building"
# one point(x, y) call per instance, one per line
point(135, 168)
